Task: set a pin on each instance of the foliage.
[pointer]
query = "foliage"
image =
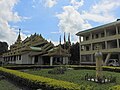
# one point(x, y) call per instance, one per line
point(117, 87)
point(5, 85)
point(58, 70)
point(3, 47)
point(78, 77)
point(34, 81)
point(75, 53)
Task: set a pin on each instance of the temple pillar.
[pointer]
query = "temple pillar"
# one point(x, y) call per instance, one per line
point(64, 60)
point(51, 61)
point(33, 60)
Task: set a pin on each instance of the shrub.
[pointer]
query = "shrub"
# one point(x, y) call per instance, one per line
point(58, 70)
point(117, 87)
point(34, 81)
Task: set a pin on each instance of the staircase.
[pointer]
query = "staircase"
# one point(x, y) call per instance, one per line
point(107, 58)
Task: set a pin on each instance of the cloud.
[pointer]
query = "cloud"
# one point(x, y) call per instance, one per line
point(70, 20)
point(50, 3)
point(7, 15)
point(76, 4)
point(102, 12)
point(55, 42)
point(56, 32)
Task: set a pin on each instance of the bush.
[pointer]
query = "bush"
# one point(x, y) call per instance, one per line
point(105, 68)
point(58, 70)
point(35, 82)
point(117, 87)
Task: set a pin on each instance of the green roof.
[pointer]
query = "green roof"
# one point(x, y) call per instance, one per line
point(36, 48)
point(98, 27)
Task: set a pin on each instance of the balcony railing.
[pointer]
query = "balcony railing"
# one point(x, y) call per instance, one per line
point(102, 39)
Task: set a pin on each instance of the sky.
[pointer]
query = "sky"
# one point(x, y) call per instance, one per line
point(51, 18)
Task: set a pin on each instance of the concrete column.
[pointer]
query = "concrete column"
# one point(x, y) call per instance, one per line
point(105, 32)
point(33, 60)
point(64, 60)
point(80, 38)
point(90, 35)
point(116, 29)
point(118, 43)
point(91, 57)
point(91, 47)
point(106, 45)
point(51, 61)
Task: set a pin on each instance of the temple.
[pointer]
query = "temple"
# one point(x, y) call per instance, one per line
point(35, 50)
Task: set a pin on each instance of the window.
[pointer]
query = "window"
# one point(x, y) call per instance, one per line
point(96, 35)
point(19, 57)
point(87, 38)
point(87, 48)
point(102, 34)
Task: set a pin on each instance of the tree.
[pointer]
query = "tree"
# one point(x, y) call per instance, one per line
point(3, 47)
point(75, 53)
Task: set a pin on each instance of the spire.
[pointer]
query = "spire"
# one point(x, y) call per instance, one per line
point(60, 39)
point(69, 39)
point(64, 38)
point(19, 37)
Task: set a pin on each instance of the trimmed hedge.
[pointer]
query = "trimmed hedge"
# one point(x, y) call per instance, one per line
point(34, 81)
point(19, 67)
point(76, 67)
point(105, 68)
point(117, 87)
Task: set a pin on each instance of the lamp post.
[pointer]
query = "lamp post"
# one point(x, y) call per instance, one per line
point(98, 57)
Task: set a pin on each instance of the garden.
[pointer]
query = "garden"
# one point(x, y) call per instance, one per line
point(78, 77)
point(61, 78)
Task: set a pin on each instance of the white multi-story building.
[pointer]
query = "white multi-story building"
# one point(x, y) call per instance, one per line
point(107, 37)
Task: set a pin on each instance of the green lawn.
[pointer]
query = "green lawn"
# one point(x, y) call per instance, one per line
point(77, 76)
point(5, 85)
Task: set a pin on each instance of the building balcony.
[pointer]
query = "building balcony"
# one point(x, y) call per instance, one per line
point(102, 39)
point(102, 50)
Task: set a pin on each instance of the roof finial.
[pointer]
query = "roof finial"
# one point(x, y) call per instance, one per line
point(64, 38)
point(19, 30)
point(19, 37)
point(69, 39)
point(60, 39)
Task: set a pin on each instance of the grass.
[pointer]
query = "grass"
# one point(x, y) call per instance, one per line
point(5, 85)
point(77, 76)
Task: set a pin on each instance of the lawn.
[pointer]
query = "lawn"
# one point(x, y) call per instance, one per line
point(5, 85)
point(77, 76)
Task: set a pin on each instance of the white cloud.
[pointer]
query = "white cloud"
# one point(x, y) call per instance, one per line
point(102, 12)
point(54, 42)
point(76, 4)
point(7, 15)
point(56, 32)
point(50, 3)
point(71, 20)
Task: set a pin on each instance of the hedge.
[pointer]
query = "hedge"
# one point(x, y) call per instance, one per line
point(105, 68)
point(117, 87)
point(76, 67)
point(19, 67)
point(34, 81)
